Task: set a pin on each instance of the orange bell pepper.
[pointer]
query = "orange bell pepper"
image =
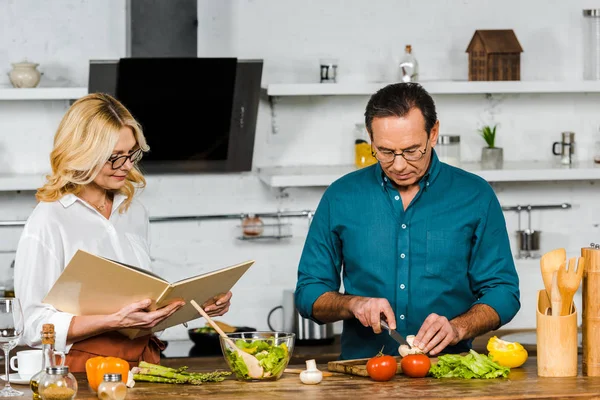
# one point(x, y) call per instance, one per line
point(96, 367)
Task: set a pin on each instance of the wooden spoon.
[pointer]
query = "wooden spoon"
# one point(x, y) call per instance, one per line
point(568, 282)
point(254, 369)
point(555, 297)
point(550, 263)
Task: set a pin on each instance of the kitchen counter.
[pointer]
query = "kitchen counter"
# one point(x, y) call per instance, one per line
point(521, 383)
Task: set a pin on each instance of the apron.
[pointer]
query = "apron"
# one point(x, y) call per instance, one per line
point(113, 344)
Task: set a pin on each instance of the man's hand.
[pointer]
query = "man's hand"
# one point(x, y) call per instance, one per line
point(217, 306)
point(135, 315)
point(435, 334)
point(368, 311)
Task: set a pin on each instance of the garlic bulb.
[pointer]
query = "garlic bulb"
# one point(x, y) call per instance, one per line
point(405, 350)
point(311, 376)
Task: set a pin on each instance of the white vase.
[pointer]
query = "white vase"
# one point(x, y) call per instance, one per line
point(492, 158)
point(25, 75)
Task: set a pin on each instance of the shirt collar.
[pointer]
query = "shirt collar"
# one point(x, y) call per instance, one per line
point(432, 172)
point(69, 199)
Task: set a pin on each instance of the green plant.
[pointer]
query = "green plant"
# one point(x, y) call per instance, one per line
point(488, 133)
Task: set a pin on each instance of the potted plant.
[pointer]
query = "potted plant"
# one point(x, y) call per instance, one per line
point(492, 157)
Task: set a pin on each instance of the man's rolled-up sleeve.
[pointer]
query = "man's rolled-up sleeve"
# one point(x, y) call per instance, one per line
point(321, 261)
point(492, 269)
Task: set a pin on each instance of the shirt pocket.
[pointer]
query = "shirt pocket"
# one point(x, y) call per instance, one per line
point(448, 252)
point(140, 249)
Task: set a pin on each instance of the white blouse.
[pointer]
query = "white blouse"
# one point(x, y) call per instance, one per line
point(52, 235)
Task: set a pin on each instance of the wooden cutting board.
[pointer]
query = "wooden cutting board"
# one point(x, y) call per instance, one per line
point(355, 367)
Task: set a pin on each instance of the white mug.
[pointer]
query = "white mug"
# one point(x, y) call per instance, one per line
point(29, 362)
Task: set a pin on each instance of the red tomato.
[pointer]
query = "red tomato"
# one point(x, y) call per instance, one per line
point(415, 365)
point(382, 367)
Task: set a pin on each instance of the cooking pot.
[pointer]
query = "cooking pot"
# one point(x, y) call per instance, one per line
point(307, 331)
point(206, 341)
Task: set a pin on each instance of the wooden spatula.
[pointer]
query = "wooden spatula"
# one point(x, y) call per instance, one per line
point(254, 369)
point(568, 282)
point(549, 264)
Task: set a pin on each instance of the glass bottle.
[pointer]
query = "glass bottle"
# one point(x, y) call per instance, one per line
point(112, 387)
point(409, 67)
point(597, 149)
point(58, 383)
point(363, 155)
point(591, 44)
point(48, 360)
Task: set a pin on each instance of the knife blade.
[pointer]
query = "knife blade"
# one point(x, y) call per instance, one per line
point(393, 333)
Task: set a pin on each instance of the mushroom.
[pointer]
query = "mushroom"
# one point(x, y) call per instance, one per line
point(311, 376)
point(405, 350)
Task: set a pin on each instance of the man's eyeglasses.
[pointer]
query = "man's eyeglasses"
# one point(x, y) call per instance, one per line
point(118, 162)
point(388, 156)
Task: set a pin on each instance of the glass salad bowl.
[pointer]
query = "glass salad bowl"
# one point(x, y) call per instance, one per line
point(273, 351)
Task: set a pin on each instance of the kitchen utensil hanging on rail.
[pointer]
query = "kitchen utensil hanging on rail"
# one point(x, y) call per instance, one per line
point(528, 240)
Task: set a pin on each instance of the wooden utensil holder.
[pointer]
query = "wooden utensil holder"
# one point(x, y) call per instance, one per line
point(590, 315)
point(556, 341)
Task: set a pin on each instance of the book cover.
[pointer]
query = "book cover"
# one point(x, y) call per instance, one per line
point(93, 285)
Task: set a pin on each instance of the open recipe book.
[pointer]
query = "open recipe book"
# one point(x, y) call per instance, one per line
point(93, 285)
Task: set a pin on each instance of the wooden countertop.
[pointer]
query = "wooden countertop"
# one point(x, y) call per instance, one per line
point(521, 383)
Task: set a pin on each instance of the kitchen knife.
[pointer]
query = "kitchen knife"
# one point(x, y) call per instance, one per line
point(395, 335)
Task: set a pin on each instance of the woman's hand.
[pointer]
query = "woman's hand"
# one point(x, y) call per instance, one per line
point(218, 305)
point(135, 315)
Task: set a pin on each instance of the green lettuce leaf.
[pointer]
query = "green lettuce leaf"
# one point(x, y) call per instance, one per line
point(470, 366)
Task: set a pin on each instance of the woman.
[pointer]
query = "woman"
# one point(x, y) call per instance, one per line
point(88, 203)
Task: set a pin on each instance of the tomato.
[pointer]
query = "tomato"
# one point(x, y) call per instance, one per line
point(382, 367)
point(415, 365)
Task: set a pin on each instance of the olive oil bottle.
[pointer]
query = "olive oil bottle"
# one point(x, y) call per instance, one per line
point(48, 359)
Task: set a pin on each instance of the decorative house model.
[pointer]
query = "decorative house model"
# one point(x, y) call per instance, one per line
point(494, 55)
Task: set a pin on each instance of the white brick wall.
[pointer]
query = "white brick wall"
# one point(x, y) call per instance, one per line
point(290, 36)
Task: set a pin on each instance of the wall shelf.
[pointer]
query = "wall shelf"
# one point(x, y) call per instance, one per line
point(515, 171)
point(15, 182)
point(50, 93)
point(434, 87)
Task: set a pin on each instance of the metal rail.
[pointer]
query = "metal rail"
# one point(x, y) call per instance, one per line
point(280, 214)
point(291, 214)
point(531, 207)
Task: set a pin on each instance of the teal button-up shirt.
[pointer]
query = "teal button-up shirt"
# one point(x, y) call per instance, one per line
point(446, 252)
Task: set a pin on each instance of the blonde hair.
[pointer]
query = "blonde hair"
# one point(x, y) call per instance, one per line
point(84, 141)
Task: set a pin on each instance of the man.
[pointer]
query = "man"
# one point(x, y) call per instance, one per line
point(416, 242)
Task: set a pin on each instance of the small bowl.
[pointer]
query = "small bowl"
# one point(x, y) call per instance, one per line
point(272, 349)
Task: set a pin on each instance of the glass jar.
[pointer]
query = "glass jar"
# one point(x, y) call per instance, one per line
point(112, 387)
point(58, 384)
point(591, 44)
point(448, 149)
point(363, 156)
point(252, 226)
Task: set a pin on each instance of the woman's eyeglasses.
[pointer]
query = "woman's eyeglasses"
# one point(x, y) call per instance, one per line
point(119, 161)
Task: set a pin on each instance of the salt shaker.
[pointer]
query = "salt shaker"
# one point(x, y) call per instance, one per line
point(112, 387)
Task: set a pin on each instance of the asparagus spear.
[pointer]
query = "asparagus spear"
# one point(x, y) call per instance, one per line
point(179, 375)
point(152, 378)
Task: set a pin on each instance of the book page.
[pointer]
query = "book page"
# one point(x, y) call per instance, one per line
point(201, 288)
point(138, 269)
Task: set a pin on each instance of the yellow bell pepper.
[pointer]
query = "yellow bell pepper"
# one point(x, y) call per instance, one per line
point(96, 367)
point(507, 354)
